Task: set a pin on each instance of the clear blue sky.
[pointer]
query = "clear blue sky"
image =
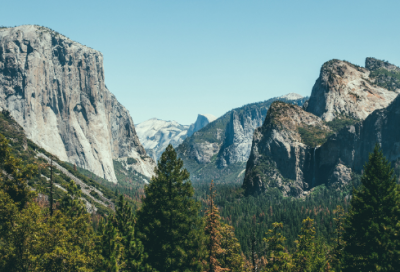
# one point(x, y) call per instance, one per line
point(175, 59)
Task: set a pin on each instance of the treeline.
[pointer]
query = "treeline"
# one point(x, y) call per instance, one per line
point(174, 231)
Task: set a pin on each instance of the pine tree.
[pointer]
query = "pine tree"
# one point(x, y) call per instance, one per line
point(124, 221)
point(277, 257)
point(168, 222)
point(15, 176)
point(338, 243)
point(305, 247)
point(371, 228)
point(72, 204)
point(231, 257)
point(213, 235)
point(110, 247)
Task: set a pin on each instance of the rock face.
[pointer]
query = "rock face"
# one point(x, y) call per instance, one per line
point(349, 148)
point(201, 121)
point(156, 134)
point(279, 157)
point(344, 89)
point(54, 88)
point(384, 74)
point(220, 150)
point(296, 150)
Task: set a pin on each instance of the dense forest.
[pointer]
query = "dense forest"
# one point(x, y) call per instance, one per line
point(178, 227)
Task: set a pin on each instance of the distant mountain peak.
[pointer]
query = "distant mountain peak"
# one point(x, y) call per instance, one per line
point(291, 96)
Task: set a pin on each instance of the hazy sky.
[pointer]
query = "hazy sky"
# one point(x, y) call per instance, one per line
point(174, 59)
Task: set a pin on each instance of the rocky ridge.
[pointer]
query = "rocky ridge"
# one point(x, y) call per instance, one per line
point(344, 89)
point(156, 134)
point(296, 158)
point(54, 88)
point(279, 157)
point(220, 150)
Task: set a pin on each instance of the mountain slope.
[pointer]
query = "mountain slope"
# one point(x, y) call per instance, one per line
point(156, 134)
point(54, 88)
point(220, 150)
point(343, 96)
point(344, 89)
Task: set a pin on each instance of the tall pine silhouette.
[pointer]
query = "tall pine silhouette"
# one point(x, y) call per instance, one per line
point(168, 222)
point(371, 235)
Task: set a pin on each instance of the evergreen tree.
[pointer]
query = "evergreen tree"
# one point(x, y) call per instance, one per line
point(110, 247)
point(124, 221)
point(231, 257)
point(168, 222)
point(15, 176)
point(213, 235)
point(72, 204)
point(338, 243)
point(372, 229)
point(277, 257)
point(305, 247)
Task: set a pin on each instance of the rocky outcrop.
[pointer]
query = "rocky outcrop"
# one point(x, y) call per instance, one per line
point(221, 149)
point(156, 134)
point(293, 155)
point(238, 135)
point(384, 74)
point(279, 157)
point(201, 121)
point(54, 88)
point(344, 89)
point(349, 148)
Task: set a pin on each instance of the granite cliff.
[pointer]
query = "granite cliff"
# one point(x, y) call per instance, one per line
point(323, 143)
point(280, 156)
point(54, 88)
point(344, 89)
point(156, 134)
point(220, 150)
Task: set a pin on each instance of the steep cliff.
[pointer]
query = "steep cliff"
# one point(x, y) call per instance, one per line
point(296, 158)
point(348, 150)
point(279, 156)
point(201, 121)
point(344, 89)
point(220, 150)
point(54, 88)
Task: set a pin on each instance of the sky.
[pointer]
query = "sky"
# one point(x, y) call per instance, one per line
point(172, 60)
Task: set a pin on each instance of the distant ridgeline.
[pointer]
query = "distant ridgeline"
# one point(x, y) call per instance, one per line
point(328, 139)
point(220, 150)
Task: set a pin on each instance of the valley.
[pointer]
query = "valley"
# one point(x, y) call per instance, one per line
point(74, 161)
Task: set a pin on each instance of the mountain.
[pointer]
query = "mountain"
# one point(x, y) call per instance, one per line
point(54, 88)
point(156, 134)
point(201, 121)
point(220, 150)
point(344, 89)
point(298, 149)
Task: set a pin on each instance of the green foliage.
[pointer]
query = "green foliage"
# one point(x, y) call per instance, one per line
point(387, 79)
point(131, 161)
point(277, 257)
point(371, 229)
point(339, 123)
point(313, 136)
point(134, 254)
point(110, 247)
point(168, 220)
point(305, 247)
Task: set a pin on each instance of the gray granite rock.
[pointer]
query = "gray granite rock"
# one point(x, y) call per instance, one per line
point(343, 89)
point(54, 88)
point(279, 158)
